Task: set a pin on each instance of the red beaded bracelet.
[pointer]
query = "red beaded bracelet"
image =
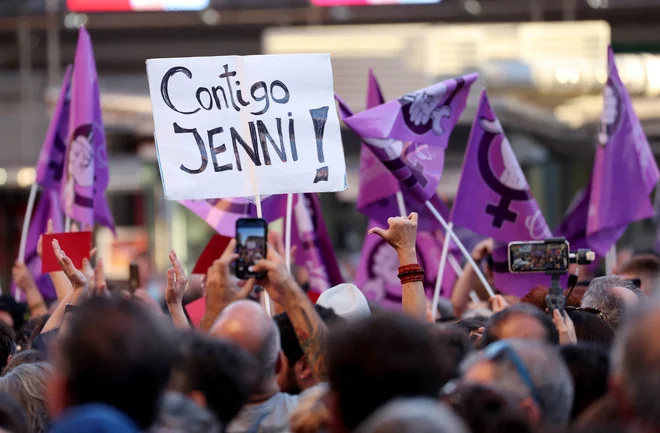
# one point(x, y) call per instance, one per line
point(412, 279)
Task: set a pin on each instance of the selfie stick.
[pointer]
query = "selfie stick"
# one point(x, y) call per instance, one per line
point(464, 251)
point(266, 297)
point(441, 273)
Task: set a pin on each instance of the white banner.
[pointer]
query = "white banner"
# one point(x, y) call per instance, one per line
point(242, 126)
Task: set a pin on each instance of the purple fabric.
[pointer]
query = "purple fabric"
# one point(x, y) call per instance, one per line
point(51, 159)
point(410, 135)
point(86, 176)
point(493, 198)
point(377, 272)
point(48, 207)
point(625, 171)
point(222, 214)
point(314, 247)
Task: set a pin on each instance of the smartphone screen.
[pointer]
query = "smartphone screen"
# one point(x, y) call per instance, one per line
point(538, 256)
point(134, 277)
point(251, 235)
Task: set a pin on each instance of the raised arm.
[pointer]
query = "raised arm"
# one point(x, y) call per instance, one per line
point(177, 281)
point(402, 236)
point(25, 282)
point(469, 281)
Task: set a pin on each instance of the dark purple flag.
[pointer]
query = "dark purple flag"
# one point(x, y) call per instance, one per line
point(50, 165)
point(86, 175)
point(625, 171)
point(410, 135)
point(315, 250)
point(48, 207)
point(222, 214)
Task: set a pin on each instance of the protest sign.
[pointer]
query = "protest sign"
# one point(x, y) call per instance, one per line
point(246, 126)
point(75, 245)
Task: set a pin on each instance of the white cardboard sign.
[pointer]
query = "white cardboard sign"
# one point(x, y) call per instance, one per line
point(242, 126)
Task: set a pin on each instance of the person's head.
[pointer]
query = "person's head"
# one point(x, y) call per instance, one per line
point(217, 375)
point(611, 296)
point(521, 321)
point(454, 345)
point(30, 330)
point(117, 353)
point(7, 344)
point(296, 375)
point(418, 415)
point(589, 365)
point(346, 301)
point(11, 312)
point(376, 359)
point(537, 297)
point(487, 409)
point(532, 372)
point(472, 326)
point(635, 377)
point(12, 416)
point(27, 385)
point(645, 267)
point(24, 357)
point(181, 414)
point(591, 327)
point(246, 324)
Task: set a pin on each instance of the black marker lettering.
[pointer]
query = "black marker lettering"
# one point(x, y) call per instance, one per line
point(255, 87)
point(281, 85)
point(217, 150)
point(253, 152)
point(239, 95)
point(164, 88)
point(320, 118)
point(218, 103)
point(255, 141)
point(292, 139)
point(229, 75)
point(264, 136)
point(199, 93)
point(200, 147)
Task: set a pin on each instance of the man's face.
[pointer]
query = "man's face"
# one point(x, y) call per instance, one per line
point(522, 326)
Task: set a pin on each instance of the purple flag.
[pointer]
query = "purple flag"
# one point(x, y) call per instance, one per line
point(51, 159)
point(410, 135)
point(494, 199)
point(222, 214)
point(625, 171)
point(315, 250)
point(86, 176)
point(377, 272)
point(47, 208)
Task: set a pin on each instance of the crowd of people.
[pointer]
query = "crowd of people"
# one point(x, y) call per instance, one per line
point(100, 361)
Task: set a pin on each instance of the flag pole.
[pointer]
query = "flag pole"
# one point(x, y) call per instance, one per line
point(266, 297)
point(287, 231)
point(441, 272)
point(465, 252)
point(67, 224)
point(401, 203)
point(610, 260)
point(26, 228)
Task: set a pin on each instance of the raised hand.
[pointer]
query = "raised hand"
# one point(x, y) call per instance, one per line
point(22, 277)
point(483, 249)
point(565, 327)
point(75, 276)
point(402, 236)
point(177, 281)
point(49, 230)
point(100, 283)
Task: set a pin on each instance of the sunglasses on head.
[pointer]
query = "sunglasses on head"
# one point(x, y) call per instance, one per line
point(502, 350)
point(587, 310)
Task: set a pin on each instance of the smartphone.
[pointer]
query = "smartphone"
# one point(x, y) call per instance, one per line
point(538, 256)
point(134, 278)
point(251, 244)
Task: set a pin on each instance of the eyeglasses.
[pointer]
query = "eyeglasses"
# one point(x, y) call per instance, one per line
point(587, 310)
point(503, 350)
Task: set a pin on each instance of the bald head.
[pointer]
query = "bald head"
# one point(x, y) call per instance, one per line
point(612, 296)
point(247, 324)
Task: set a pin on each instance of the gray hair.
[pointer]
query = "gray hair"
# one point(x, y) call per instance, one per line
point(417, 415)
point(549, 374)
point(636, 360)
point(180, 414)
point(600, 296)
point(27, 385)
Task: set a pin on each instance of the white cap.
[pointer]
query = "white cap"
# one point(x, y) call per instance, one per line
point(346, 300)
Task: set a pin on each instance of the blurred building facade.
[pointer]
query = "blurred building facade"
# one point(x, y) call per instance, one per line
point(542, 61)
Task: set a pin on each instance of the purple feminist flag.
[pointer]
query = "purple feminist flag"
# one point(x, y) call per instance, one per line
point(493, 197)
point(410, 135)
point(625, 171)
point(86, 175)
point(51, 159)
point(222, 214)
point(315, 251)
point(377, 272)
point(47, 208)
